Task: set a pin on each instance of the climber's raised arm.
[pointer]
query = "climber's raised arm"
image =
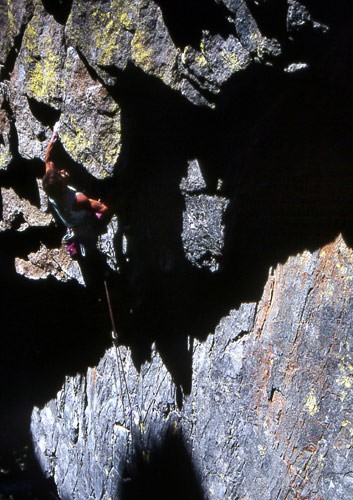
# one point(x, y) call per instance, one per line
point(49, 163)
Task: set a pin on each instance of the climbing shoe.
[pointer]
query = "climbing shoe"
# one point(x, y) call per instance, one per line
point(73, 250)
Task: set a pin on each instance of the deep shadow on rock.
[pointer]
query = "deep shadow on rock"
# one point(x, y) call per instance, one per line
point(49, 329)
point(20, 175)
point(59, 9)
point(186, 19)
point(280, 144)
point(161, 132)
point(164, 470)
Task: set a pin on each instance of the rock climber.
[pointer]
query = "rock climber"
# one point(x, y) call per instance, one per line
point(82, 216)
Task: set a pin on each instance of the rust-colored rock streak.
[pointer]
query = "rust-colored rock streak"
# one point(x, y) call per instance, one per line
point(269, 414)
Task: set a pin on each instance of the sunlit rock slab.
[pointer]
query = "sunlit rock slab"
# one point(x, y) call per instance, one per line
point(269, 410)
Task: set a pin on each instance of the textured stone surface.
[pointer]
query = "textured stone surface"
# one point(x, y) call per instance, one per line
point(194, 181)
point(112, 25)
point(90, 130)
point(14, 15)
point(106, 243)
point(135, 31)
point(269, 411)
point(298, 17)
point(49, 262)
point(5, 151)
point(186, 121)
point(20, 214)
point(203, 231)
point(296, 371)
point(38, 75)
point(42, 58)
point(82, 420)
point(51, 74)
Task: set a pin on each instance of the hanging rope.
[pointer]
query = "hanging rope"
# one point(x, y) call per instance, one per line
point(123, 382)
point(120, 365)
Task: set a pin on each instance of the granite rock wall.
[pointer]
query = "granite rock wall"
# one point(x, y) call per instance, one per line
point(220, 132)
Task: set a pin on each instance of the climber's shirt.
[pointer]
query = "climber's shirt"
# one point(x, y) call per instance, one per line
point(83, 226)
point(66, 211)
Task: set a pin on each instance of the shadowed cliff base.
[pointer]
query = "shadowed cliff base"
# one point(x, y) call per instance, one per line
point(164, 470)
point(49, 330)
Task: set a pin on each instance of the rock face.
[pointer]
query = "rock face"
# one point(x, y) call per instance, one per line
point(219, 131)
point(269, 411)
point(73, 65)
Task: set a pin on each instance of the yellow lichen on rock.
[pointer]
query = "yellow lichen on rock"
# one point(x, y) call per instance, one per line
point(43, 81)
point(232, 60)
point(73, 138)
point(156, 56)
point(5, 157)
point(201, 60)
point(82, 144)
point(30, 39)
point(91, 129)
point(42, 59)
point(11, 19)
point(106, 33)
point(345, 379)
point(311, 403)
point(141, 50)
point(126, 21)
point(105, 41)
point(126, 12)
point(111, 150)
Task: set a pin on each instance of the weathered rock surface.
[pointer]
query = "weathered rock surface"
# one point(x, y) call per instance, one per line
point(221, 132)
point(49, 262)
point(37, 78)
point(69, 70)
point(269, 411)
point(20, 213)
point(90, 118)
point(203, 231)
point(14, 16)
point(5, 151)
point(136, 32)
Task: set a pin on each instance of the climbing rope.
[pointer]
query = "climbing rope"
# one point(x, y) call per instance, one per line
point(141, 444)
point(120, 365)
point(122, 380)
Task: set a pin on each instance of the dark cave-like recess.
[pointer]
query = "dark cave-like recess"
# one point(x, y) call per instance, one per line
point(280, 142)
point(59, 9)
point(43, 113)
point(187, 19)
point(165, 470)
